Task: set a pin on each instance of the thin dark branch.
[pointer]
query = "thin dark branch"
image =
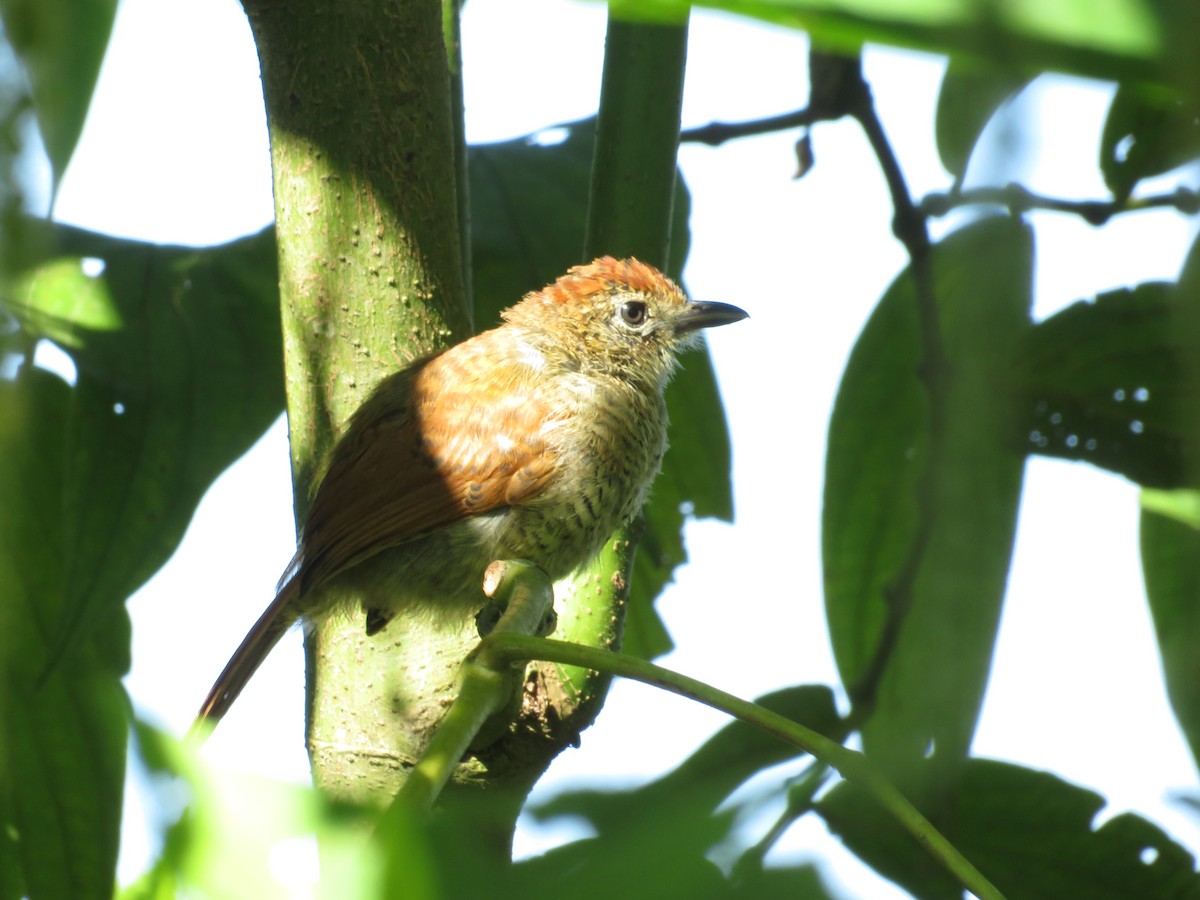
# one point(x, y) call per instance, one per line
point(1019, 200)
point(716, 133)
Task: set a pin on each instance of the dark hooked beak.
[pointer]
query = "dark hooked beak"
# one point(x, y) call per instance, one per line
point(697, 315)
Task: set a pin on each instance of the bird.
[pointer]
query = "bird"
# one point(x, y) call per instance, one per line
point(534, 440)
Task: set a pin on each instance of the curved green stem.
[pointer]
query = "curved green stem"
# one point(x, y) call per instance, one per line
point(526, 597)
point(500, 651)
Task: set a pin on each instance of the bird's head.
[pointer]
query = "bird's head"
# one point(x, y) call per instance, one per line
point(617, 317)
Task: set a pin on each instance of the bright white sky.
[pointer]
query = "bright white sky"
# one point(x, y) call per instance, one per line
point(176, 151)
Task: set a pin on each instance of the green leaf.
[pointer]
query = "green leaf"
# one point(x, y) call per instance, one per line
point(1171, 567)
point(796, 883)
point(177, 353)
point(1113, 383)
point(968, 99)
point(662, 856)
point(61, 44)
point(928, 687)
point(224, 841)
point(1114, 40)
point(528, 200)
point(696, 481)
point(62, 736)
point(1170, 375)
point(703, 781)
point(676, 817)
point(1148, 132)
point(651, 863)
point(1030, 833)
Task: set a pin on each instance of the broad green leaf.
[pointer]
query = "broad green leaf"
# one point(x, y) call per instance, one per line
point(1181, 506)
point(676, 817)
point(658, 861)
point(1115, 39)
point(659, 856)
point(1171, 566)
point(62, 734)
point(61, 44)
point(178, 359)
point(1170, 535)
point(968, 99)
point(936, 606)
point(528, 201)
point(802, 882)
point(703, 781)
point(1030, 833)
point(1148, 131)
point(1113, 382)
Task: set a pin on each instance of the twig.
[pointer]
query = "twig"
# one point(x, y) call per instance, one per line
point(1019, 199)
point(716, 133)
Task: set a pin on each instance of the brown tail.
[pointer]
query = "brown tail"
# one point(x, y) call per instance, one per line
point(249, 655)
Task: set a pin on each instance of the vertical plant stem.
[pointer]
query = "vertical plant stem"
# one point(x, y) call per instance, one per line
point(637, 141)
point(629, 214)
point(371, 275)
point(452, 35)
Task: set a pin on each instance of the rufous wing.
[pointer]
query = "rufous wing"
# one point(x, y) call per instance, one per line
point(434, 445)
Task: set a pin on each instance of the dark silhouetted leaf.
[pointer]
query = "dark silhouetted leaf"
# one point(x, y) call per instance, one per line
point(1171, 566)
point(1112, 383)
point(61, 44)
point(928, 689)
point(1127, 41)
point(178, 359)
point(1148, 131)
point(1032, 834)
point(702, 782)
point(966, 103)
point(62, 754)
point(1170, 536)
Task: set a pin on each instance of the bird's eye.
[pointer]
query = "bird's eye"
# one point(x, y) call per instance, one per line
point(633, 313)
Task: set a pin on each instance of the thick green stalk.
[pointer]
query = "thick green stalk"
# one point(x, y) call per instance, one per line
point(358, 102)
point(452, 36)
point(629, 214)
point(637, 141)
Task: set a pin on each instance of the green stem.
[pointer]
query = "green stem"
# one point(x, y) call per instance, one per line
point(452, 35)
point(630, 209)
point(370, 269)
point(637, 141)
point(500, 651)
point(526, 597)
